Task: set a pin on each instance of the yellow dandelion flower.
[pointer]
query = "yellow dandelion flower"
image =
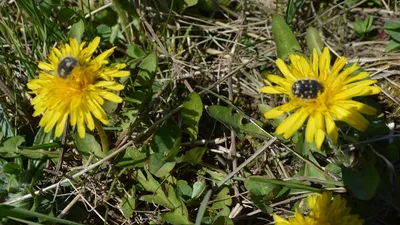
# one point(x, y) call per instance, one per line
point(320, 94)
point(323, 211)
point(74, 85)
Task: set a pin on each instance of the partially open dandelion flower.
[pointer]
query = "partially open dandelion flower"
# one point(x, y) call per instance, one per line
point(323, 210)
point(73, 84)
point(320, 94)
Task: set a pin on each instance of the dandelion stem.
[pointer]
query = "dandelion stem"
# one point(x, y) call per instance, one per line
point(103, 136)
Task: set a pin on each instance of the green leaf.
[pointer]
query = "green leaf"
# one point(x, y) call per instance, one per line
point(223, 220)
point(314, 40)
point(39, 154)
point(194, 155)
point(286, 43)
point(10, 146)
point(368, 23)
point(131, 157)
point(191, 112)
point(198, 189)
point(12, 168)
point(43, 137)
point(359, 26)
point(261, 191)
point(104, 32)
point(128, 203)
point(303, 147)
point(77, 30)
point(179, 214)
point(234, 122)
point(166, 138)
point(363, 181)
point(288, 184)
point(87, 145)
point(391, 26)
point(222, 199)
point(392, 46)
point(21, 213)
point(135, 51)
point(5, 126)
point(334, 169)
point(190, 3)
point(183, 190)
point(115, 33)
point(258, 183)
point(393, 29)
point(158, 166)
point(148, 68)
point(149, 184)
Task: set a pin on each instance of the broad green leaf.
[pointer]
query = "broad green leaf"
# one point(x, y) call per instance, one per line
point(359, 26)
point(148, 68)
point(149, 184)
point(43, 137)
point(391, 26)
point(198, 189)
point(393, 29)
point(363, 181)
point(222, 199)
point(158, 166)
point(12, 168)
point(234, 121)
point(189, 3)
point(10, 146)
point(194, 155)
point(286, 43)
point(77, 30)
point(183, 190)
point(104, 32)
point(181, 5)
point(5, 126)
point(368, 23)
point(314, 40)
point(131, 157)
point(135, 51)
point(210, 5)
point(115, 32)
point(258, 183)
point(392, 46)
point(216, 175)
point(65, 14)
point(224, 211)
point(302, 147)
point(290, 11)
point(166, 138)
point(223, 220)
point(334, 169)
point(260, 200)
point(191, 112)
point(87, 145)
point(38, 154)
point(288, 184)
point(110, 107)
point(179, 214)
point(17, 212)
point(261, 192)
point(128, 203)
